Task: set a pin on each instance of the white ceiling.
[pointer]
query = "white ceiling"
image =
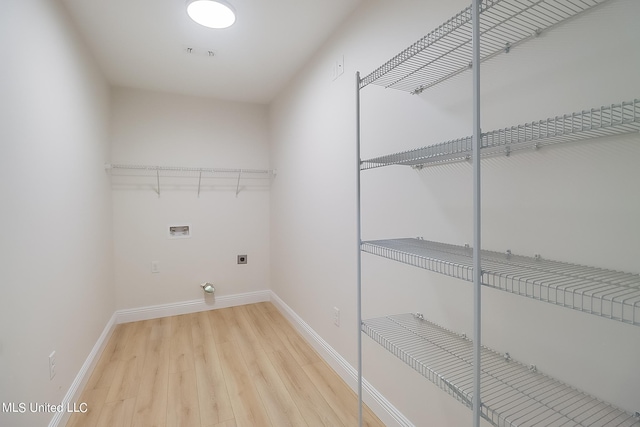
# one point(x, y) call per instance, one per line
point(142, 43)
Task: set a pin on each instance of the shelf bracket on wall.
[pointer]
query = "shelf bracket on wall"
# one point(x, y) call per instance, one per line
point(199, 182)
point(238, 184)
point(158, 180)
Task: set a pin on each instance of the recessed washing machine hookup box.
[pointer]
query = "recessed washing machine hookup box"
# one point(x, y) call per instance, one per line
point(179, 231)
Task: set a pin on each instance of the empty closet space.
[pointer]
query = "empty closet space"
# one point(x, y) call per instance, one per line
point(192, 237)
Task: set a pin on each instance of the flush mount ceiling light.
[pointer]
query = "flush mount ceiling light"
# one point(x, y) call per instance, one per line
point(212, 14)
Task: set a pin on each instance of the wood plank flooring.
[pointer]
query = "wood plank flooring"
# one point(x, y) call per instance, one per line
point(235, 367)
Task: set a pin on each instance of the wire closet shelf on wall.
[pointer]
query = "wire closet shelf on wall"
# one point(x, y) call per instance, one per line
point(512, 394)
point(178, 177)
point(606, 293)
point(608, 120)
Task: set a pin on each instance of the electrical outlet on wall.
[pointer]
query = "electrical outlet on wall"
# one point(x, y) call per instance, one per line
point(52, 365)
point(336, 316)
point(337, 68)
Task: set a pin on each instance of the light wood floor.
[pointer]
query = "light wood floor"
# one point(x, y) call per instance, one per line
point(234, 367)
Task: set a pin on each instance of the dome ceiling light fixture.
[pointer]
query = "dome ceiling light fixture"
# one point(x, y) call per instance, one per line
point(210, 13)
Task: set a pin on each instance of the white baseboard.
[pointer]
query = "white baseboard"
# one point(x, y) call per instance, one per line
point(387, 413)
point(186, 307)
point(73, 394)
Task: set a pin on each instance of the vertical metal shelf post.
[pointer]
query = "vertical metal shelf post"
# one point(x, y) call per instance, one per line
point(477, 272)
point(359, 251)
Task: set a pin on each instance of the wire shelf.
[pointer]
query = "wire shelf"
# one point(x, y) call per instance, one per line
point(513, 394)
point(606, 293)
point(446, 51)
point(187, 177)
point(147, 170)
point(614, 119)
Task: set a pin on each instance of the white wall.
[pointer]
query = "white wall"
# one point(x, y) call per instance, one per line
point(576, 203)
point(160, 129)
point(56, 246)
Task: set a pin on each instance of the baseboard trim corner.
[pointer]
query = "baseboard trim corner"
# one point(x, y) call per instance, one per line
point(386, 411)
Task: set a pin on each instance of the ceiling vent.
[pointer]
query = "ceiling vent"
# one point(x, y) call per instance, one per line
point(199, 51)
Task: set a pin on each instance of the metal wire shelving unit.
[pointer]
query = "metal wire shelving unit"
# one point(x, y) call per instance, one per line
point(609, 120)
point(605, 293)
point(514, 394)
point(496, 388)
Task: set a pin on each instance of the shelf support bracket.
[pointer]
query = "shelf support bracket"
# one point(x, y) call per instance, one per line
point(238, 183)
point(199, 182)
point(158, 180)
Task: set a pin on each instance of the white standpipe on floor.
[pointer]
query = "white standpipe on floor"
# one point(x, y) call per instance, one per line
point(208, 288)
